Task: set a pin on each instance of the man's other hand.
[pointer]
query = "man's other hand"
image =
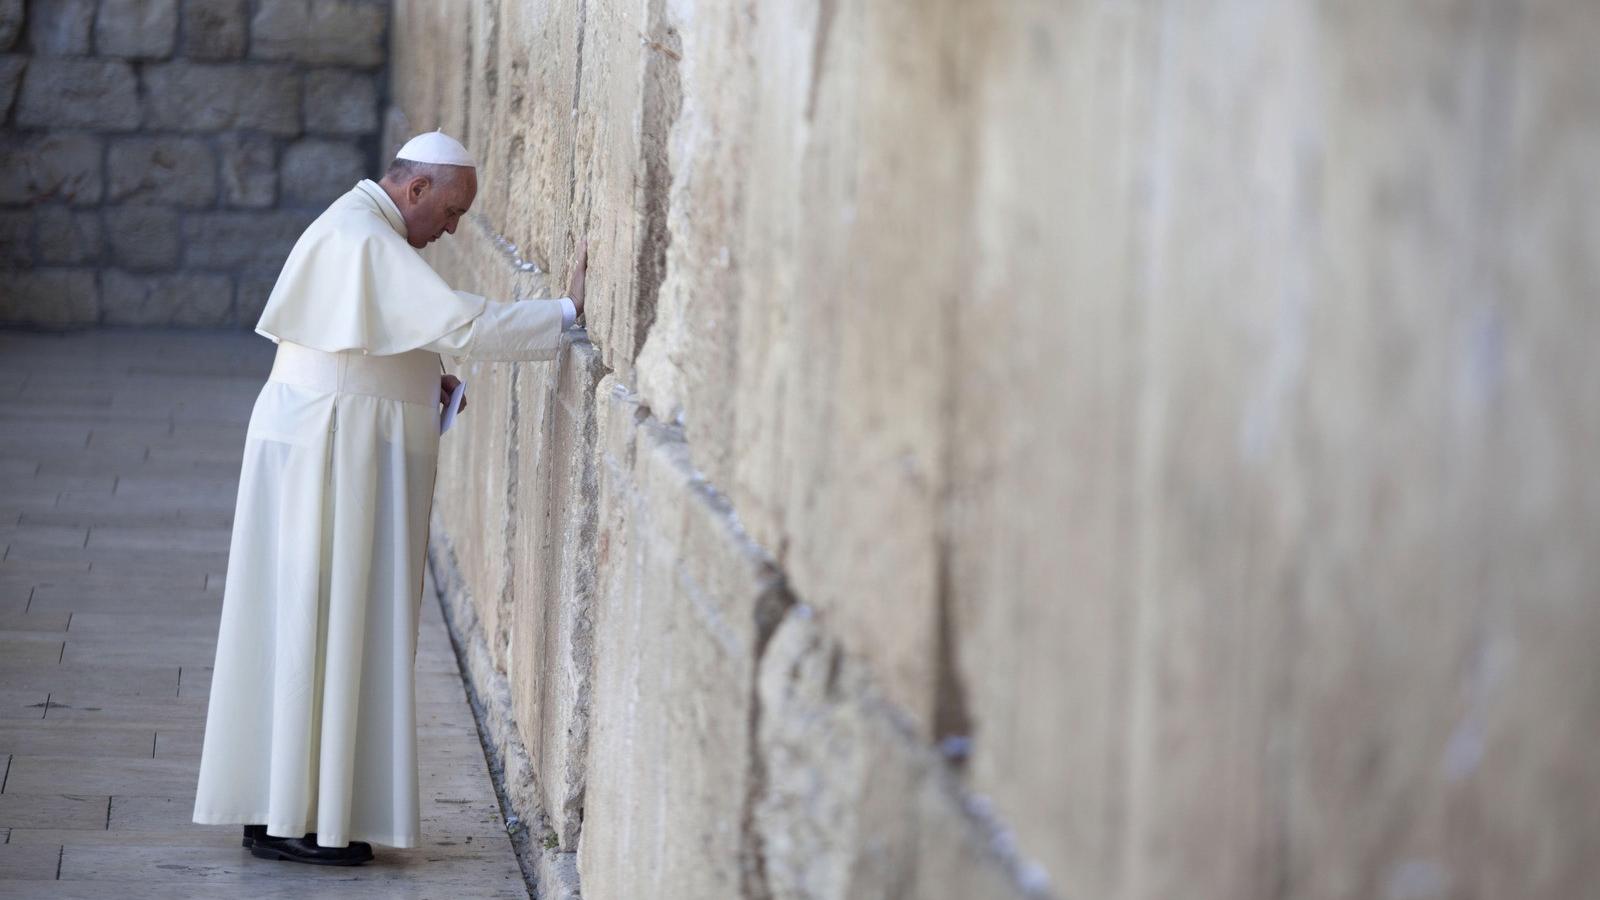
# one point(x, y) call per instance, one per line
point(447, 386)
point(580, 269)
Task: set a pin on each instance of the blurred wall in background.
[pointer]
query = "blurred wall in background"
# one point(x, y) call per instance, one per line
point(1103, 450)
point(158, 158)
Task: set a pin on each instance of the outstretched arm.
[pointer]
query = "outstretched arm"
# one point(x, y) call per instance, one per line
point(523, 330)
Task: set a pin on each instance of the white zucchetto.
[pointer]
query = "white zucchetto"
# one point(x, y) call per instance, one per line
point(438, 148)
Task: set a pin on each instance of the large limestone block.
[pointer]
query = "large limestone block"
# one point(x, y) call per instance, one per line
point(249, 171)
point(430, 97)
point(52, 298)
point(183, 299)
point(252, 289)
point(804, 329)
point(143, 238)
point(16, 238)
point(67, 237)
point(61, 166)
point(851, 801)
point(59, 27)
point(626, 96)
point(1042, 572)
point(161, 170)
point(214, 29)
point(325, 32)
point(66, 93)
point(552, 558)
point(184, 96)
point(315, 172)
point(688, 604)
point(223, 240)
point(340, 102)
point(11, 69)
point(10, 23)
point(146, 29)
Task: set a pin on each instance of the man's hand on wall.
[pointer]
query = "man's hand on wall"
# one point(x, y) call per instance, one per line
point(580, 268)
point(447, 386)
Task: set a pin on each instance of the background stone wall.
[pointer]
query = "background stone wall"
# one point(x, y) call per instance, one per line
point(1098, 450)
point(160, 157)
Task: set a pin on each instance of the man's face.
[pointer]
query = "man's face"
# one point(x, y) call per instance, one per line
point(436, 206)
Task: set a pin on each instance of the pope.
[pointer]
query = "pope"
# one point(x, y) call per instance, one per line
point(310, 737)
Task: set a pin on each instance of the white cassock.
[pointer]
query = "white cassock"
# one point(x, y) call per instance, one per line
point(311, 724)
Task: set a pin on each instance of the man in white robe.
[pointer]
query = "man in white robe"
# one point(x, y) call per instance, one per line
point(310, 738)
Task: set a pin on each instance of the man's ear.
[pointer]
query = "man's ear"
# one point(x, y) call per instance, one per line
point(416, 188)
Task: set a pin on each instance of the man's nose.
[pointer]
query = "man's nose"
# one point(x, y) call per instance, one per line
point(450, 227)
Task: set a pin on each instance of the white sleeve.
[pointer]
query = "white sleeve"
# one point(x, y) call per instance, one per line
point(509, 332)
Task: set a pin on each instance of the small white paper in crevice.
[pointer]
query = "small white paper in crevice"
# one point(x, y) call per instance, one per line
point(448, 416)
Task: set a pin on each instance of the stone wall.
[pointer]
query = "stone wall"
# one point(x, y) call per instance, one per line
point(160, 157)
point(1096, 450)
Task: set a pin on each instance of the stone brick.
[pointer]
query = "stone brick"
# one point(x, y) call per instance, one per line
point(39, 168)
point(189, 298)
point(341, 102)
point(670, 563)
point(59, 27)
point(255, 285)
point(145, 29)
point(230, 239)
point(249, 170)
point(49, 297)
point(214, 29)
point(852, 800)
point(67, 237)
point(11, 69)
point(16, 238)
point(327, 32)
point(217, 97)
point(10, 23)
point(168, 170)
point(93, 93)
point(143, 237)
point(316, 171)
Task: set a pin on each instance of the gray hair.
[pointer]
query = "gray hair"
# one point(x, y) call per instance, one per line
point(403, 170)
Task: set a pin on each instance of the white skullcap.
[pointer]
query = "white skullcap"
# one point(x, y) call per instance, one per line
point(436, 147)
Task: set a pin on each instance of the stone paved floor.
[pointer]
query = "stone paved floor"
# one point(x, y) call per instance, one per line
point(119, 459)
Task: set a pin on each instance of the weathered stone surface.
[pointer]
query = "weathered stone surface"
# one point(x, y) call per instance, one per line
point(16, 238)
point(214, 29)
point(249, 170)
point(62, 167)
point(10, 23)
point(253, 287)
point(212, 97)
point(224, 240)
point(341, 102)
point(11, 69)
point(852, 802)
point(167, 170)
point(66, 236)
point(49, 297)
point(552, 574)
point(189, 298)
point(66, 93)
point(316, 171)
point(324, 32)
point(145, 29)
point(1175, 455)
point(59, 27)
point(670, 563)
point(142, 238)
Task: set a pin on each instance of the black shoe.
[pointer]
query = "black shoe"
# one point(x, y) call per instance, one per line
point(252, 833)
point(306, 850)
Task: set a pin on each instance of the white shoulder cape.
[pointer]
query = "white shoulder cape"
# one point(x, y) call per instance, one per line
point(353, 283)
